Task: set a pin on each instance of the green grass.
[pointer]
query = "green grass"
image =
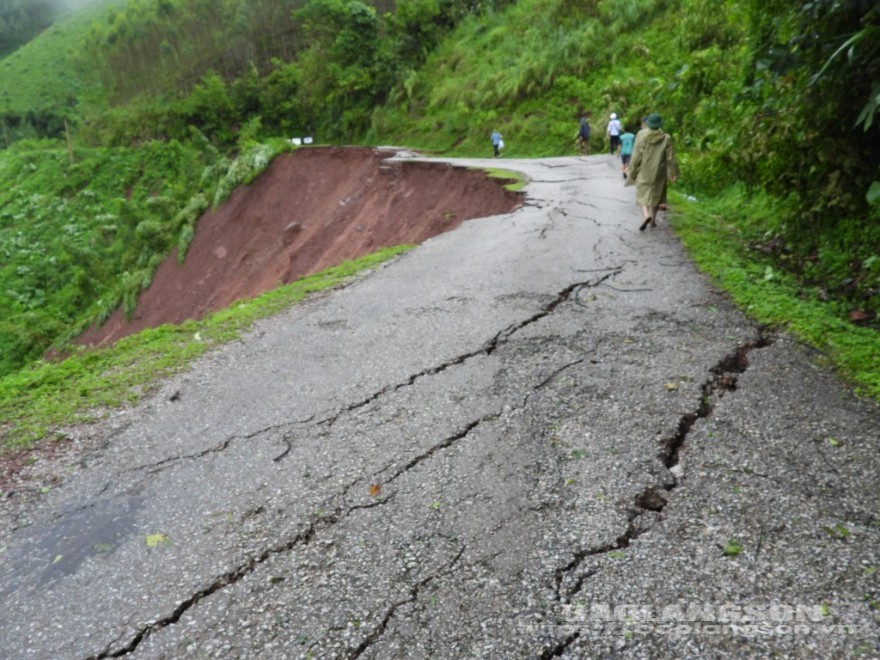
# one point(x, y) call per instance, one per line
point(717, 233)
point(516, 180)
point(732, 548)
point(36, 403)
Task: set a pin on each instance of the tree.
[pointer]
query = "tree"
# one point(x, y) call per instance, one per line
point(814, 82)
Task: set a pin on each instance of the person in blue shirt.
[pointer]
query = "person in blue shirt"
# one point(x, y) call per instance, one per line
point(627, 140)
point(496, 142)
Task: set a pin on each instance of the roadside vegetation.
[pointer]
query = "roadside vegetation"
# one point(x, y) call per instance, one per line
point(725, 236)
point(122, 123)
point(83, 233)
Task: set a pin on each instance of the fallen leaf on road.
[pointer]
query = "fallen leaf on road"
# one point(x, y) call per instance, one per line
point(375, 490)
point(154, 540)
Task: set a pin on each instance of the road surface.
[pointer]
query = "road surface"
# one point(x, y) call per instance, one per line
point(543, 434)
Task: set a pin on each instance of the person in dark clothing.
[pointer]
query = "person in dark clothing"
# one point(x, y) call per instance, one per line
point(583, 138)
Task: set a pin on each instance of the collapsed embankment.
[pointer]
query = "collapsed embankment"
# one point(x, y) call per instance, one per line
point(311, 209)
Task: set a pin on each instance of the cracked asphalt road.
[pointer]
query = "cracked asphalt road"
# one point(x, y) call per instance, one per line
point(543, 434)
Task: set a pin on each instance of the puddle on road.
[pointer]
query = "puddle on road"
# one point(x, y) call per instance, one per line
point(59, 548)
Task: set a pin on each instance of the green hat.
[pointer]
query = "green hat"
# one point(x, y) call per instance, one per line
point(654, 121)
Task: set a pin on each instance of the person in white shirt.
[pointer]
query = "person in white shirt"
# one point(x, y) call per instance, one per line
point(613, 132)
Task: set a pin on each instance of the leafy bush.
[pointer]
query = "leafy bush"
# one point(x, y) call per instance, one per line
point(242, 170)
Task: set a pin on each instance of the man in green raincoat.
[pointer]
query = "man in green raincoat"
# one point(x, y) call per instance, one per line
point(653, 164)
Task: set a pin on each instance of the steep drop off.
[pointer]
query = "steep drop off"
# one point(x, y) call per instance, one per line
point(311, 209)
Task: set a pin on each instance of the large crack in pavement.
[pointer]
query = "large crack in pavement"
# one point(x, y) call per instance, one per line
point(569, 579)
point(723, 379)
point(487, 348)
point(338, 513)
point(412, 597)
point(301, 539)
point(231, 577)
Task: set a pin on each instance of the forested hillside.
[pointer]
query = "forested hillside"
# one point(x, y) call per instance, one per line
point(123, 121)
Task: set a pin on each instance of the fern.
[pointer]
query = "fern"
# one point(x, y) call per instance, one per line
point(183, 242)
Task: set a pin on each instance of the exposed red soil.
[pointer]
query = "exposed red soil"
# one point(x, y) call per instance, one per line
point(311, 209)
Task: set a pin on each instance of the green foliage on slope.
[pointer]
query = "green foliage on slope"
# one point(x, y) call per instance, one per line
point(22, 20)
point(533, 70)
point(67, 232)
point(79, 239)
point(40, 86)
point(164, 47)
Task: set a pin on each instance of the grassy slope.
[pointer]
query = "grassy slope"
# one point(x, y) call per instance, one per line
point(531, 74)
point(68, 230)
point(40, 77)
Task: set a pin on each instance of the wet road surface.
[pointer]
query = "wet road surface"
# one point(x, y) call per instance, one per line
point(543, 434)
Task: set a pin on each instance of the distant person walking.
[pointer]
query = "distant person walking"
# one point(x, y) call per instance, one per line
point(497, 143)
point(627, 140)
point(583, 137)
point(613, 132)
point(653, 164)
